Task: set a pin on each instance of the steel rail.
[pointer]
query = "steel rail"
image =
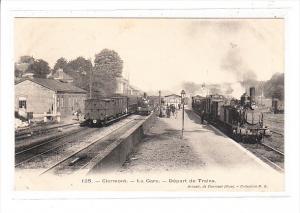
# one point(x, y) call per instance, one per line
point(275, 150)
point(46, 151)
point(48, 141)
point(272, 163)
point(84, 148)
point(278, 133)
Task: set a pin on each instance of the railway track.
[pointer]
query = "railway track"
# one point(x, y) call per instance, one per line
point(23, 155)
point(81, 158)
point(268, 154)
point(50, 154)
point(276, 132)
point(275, 150)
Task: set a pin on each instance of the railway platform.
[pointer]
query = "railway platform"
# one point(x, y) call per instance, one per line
point(203, 151)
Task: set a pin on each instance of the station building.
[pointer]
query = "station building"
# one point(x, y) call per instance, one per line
point(38, 96)
point(172, 99)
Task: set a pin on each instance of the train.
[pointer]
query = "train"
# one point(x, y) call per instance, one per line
point(241, 119)
point(100, 111)
point(277, 105)
point(143, 106)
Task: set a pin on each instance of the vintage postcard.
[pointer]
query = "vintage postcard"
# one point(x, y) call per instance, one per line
point(149, 104)
point(105, 103)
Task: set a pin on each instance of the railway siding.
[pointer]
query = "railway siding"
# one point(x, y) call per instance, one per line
point(110, 149)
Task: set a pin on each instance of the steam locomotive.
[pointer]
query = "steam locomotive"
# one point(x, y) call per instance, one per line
point(101, 111)
point(143, 106)
point(241, 119)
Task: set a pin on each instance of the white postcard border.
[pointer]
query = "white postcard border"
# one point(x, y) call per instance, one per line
point(215, 9)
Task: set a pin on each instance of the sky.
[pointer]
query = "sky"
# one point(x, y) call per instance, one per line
point(162, 53)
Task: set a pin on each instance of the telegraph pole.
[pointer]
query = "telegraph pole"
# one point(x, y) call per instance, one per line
point(159, 102)
point(91, 79)
point(182, 101)
point(91, 82)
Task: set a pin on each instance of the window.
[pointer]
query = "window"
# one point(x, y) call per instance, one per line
point(22, 104)
point(57, 102)
point(62, 102)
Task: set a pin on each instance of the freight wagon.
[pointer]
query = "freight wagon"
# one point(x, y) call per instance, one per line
point(101, 111)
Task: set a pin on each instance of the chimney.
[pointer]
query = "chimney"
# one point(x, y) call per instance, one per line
point(252, 95)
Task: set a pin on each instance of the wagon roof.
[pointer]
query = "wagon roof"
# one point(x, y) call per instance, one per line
point(55, 85)
point(120, 97)
point(98, 99)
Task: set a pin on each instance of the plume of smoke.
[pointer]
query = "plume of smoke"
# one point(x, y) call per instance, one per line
point(233, 63)
point(237, 90)
point(275, 86)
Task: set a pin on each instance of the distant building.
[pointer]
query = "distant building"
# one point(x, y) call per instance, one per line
point(62, 76)
point(28, 75)
point(39, 96)
point(134, 91)
point(122, 86)
point(172, 99)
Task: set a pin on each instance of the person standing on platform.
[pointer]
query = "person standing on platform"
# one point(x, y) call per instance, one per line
point(173, 109)
point(202, 116)
point(168, 112)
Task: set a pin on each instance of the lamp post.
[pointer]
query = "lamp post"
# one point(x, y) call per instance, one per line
point(91, 82)
point(182, 102)
point(160, 112)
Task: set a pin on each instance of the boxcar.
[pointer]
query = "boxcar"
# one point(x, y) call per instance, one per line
point(98, 111)
point(132, 104)
point(119, 105)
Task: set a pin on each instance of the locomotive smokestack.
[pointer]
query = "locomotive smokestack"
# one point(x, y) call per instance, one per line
point(252, 94)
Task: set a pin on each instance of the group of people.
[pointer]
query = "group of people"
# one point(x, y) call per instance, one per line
point(171, 110)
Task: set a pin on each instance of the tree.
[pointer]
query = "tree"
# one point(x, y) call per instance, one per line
point(110, 62)
point(275, 86)
point(80, 70)
point(21, 66)
point(39, 68)
point(26, 59)
point(18, 72)
point(80, 64)
point(108, 67)
point(60, 64)
point(103, 84)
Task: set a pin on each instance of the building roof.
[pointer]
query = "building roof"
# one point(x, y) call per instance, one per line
point(55, 85)
point(178, 96)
